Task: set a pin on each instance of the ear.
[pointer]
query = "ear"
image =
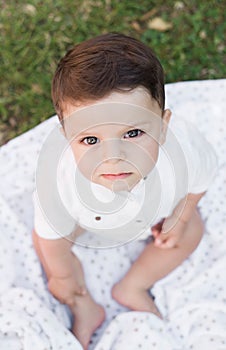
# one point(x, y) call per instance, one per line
point(165, 121)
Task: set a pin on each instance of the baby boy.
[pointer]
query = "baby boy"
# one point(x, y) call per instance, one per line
point(108, 93)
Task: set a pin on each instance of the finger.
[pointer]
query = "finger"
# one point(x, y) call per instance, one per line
point(165, 242)
point(158, 241)
point(166, 228)
point(160, 244)
point(161, 236)
point(158, 227)
point(155, 233)
point(164, 245)
point(171, 242)
point(81, 291)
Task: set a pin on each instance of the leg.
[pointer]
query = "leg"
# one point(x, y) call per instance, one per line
point(152, 265)
point(87, 314)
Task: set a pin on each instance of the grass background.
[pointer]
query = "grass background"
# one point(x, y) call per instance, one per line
point(34, 35)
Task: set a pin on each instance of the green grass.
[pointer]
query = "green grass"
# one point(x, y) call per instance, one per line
point(34, 35)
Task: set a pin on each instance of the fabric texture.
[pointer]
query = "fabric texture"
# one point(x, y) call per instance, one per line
point(191, 299)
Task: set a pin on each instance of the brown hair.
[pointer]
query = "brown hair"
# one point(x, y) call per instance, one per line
point(109, 62)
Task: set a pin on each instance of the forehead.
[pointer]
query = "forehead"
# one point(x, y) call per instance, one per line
point(110, 114)
point(138, 96)
point(123, 108)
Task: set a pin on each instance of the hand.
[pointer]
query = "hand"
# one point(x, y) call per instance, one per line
point(66, 289)
point(168, 232)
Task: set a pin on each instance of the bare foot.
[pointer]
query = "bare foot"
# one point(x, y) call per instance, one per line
point(133, 298)
point(88, 316)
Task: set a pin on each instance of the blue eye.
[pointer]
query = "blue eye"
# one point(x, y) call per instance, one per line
point(90, 140)
point(133, 133)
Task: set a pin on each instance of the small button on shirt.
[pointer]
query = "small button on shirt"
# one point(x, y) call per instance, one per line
point(64, 198)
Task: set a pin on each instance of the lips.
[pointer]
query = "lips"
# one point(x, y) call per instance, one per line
point(119, 176)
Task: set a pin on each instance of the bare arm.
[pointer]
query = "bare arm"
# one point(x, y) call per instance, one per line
point(174, 226)
point(185, 208)
point(62, 268)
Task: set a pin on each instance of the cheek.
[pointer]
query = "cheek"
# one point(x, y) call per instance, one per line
point(87, 160)
point(145, 155)
point(153, 152)
point(77, 152)
point(152, 148)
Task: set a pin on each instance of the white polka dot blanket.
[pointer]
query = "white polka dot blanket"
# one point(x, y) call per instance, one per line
point(192, 298)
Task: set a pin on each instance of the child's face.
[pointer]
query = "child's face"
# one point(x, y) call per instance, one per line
point(115, 140)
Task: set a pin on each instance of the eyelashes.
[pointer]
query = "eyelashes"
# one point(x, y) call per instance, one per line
point(92, 140)
point(133, 133)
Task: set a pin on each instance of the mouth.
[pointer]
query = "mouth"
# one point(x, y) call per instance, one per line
point(119, 176)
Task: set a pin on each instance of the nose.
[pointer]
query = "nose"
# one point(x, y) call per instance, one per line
point(113, 150)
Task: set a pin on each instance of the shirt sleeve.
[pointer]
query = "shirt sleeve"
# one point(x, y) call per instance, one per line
point(49, 226)
point(201, 159)
point(52, 219)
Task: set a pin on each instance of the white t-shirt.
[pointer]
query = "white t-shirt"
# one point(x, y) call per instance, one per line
point(64, 198)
